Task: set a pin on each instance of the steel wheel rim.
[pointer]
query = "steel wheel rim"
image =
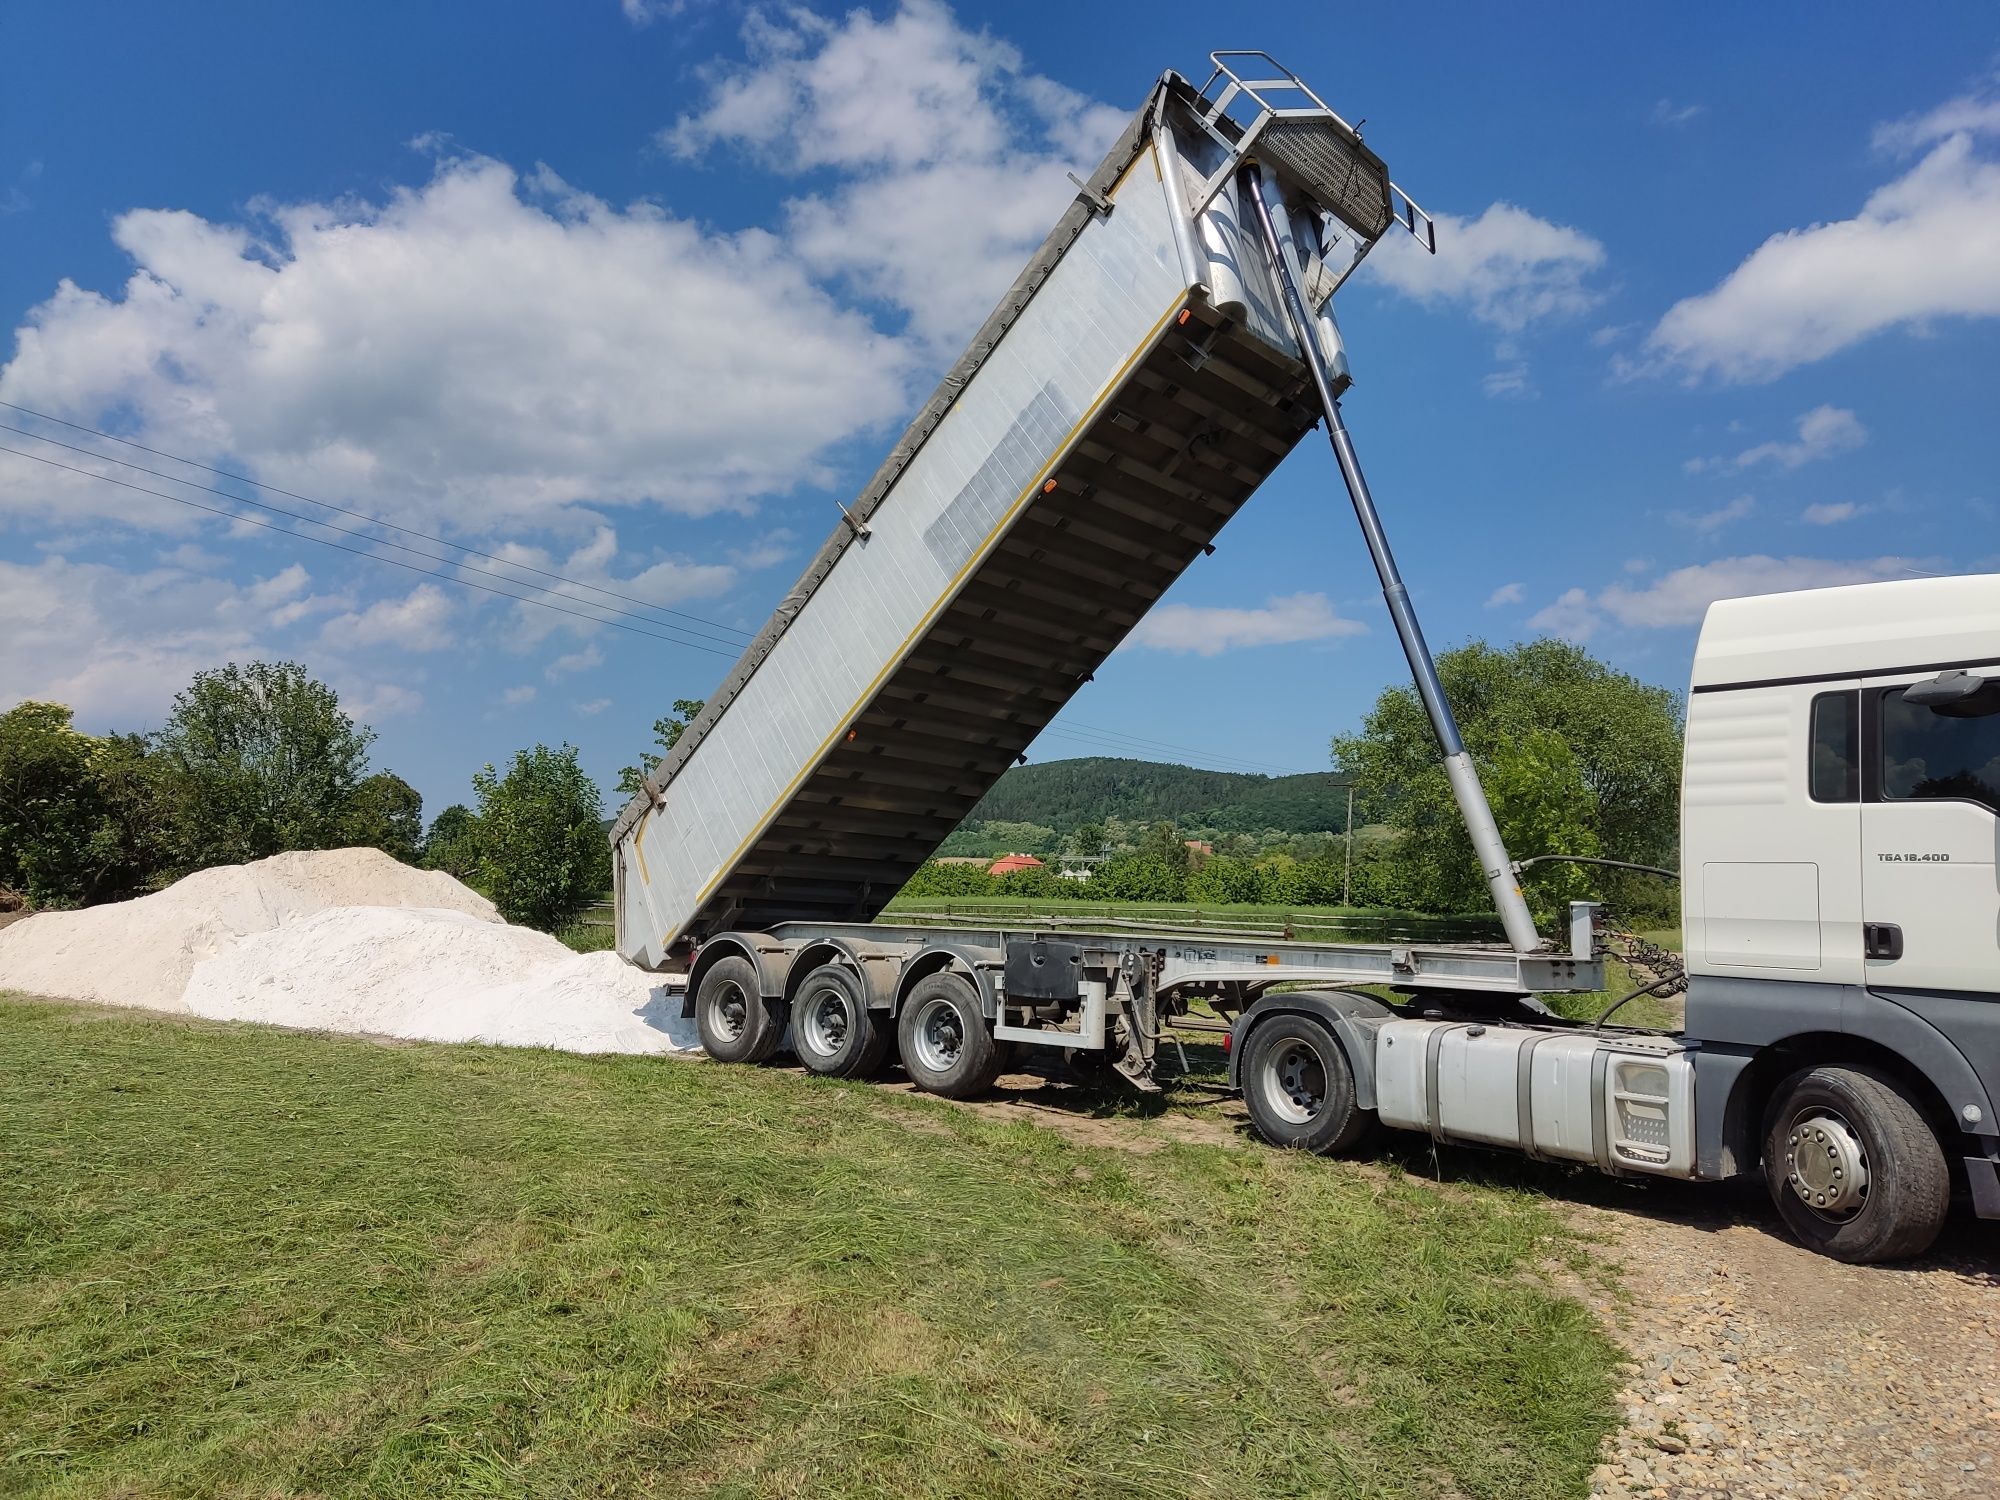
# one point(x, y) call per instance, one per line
point(827, 1021)
point(1826, 1163)
point(730, 1014)
point(939, 1035)
point(1294, 1082)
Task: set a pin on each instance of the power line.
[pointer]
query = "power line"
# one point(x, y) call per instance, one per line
point(279, 510)
point(230, 515)
point(1090, 733)
point(111, 437)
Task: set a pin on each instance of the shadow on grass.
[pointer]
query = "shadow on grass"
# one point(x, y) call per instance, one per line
point(1966, 1248)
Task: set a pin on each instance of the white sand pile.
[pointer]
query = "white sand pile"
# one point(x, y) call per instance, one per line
point(344, 940)
point(438, 976)
point(141, 952)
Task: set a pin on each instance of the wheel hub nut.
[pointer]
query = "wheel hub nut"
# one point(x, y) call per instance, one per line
point(1826, 1165)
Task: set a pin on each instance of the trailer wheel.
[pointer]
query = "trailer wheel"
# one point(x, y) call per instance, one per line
point(737, 1024)
point(946, 1045)
point(1299, 1087)
point(833, 1031)
point(1854, 1169)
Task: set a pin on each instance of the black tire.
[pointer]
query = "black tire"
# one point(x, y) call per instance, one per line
point(1300, 1088)
point(737, 1024)
point(946, 1045)
point(1823, 1125)
point(833, 1031)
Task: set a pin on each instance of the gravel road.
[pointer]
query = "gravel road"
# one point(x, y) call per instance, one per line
point(1760, 1369)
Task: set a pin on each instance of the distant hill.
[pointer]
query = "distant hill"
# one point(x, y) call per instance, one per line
point(1066, 794)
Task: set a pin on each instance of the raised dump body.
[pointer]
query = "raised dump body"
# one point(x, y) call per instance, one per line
point(1133, 389)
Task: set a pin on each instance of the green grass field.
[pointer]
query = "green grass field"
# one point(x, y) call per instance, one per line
point(241, 1262)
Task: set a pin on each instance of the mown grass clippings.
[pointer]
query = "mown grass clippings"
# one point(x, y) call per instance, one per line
point(243, 1262)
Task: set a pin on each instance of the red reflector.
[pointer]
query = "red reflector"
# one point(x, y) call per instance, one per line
point(1049, 488)
point(1186, 313)
point(1228, 1042)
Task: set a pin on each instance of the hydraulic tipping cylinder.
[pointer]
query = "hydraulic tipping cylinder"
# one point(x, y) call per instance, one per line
point(1473, 807)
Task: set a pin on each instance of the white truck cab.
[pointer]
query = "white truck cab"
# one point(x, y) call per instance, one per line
point(1840, 894)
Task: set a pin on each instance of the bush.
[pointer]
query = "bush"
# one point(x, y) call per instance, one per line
point(542, 854)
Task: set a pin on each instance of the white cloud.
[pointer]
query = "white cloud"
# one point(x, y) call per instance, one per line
point(766, 551)
point(192, 556)
point(953, 157)
point(1507, 267)
point(1830, 514)
point(280, 588)
point(372, 702)
point(117, 645)
point(1706, 522)
point(419, 621)
point(644, 13)
point(1508, 380)
point(1823, 432)
point(479, 349)
point(1976, 113)
point(1680, 597)
point(1923, 248)
point(1507, 593)
point(514, 697)
point(1667, 112)
point(575, 661)
point(593, 707)
point(1208, 631)
point(590, 581)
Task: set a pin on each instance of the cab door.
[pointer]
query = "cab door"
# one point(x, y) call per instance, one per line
point(1930, 832)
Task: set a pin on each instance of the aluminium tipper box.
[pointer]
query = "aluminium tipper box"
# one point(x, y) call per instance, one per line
point(1133, 389)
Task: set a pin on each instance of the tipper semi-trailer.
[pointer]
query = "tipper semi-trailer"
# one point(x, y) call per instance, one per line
point(1166, 347)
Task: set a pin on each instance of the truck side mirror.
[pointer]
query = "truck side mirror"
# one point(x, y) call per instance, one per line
point(1955, 694)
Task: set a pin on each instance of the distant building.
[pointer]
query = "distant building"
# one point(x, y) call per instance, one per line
point(1199, 846)
point(1007, 864)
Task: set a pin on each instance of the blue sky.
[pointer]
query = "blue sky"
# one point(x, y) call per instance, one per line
point(633, 293)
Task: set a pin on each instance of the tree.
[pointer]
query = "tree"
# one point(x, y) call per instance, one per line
point(1544, 806)
point(1088, 839)
point(263, 759)
point(81, 817)
point(50, 805)
point(667, 732)
point(452, 843)
point(1139, 877)
point(543, 856)
point(1163, 842)
point(386, 813)
point(1622, 737)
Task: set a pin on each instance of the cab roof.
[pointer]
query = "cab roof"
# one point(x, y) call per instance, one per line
point(1854, 631)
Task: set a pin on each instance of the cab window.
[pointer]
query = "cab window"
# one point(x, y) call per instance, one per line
point(1949, 755)
point(1836, 747)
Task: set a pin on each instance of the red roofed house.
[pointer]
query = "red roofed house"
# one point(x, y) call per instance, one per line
point(1007, 864)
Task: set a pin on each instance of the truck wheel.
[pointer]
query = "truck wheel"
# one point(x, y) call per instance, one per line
point(947, 1048)
point(833, 1031)
point(1856, 1172)
point(1299, 1087)
point(737, 1024)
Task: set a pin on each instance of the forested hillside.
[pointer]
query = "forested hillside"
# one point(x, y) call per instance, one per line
point(1066, 794)
point(1038, 808)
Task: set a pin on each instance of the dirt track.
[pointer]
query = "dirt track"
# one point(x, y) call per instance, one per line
point(1759, 1369)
